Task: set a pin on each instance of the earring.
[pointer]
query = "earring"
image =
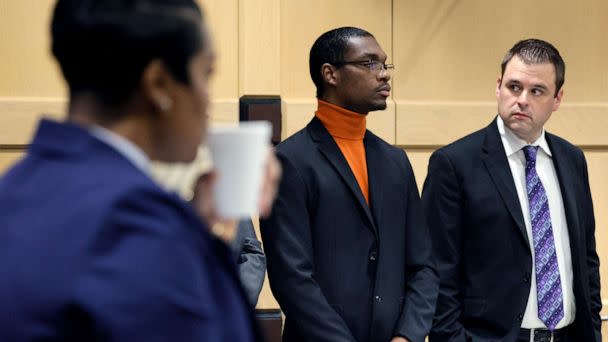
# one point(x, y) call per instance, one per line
point(165, 104)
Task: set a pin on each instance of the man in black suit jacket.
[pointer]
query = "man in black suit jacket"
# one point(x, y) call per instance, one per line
point(484, 196)
point(346, 261)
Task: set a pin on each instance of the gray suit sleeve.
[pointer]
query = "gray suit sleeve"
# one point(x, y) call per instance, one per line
point(250, 259)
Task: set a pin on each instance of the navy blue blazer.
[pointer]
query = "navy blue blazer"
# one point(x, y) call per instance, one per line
point(340, 269)
point(91, 249)
point(481, 246)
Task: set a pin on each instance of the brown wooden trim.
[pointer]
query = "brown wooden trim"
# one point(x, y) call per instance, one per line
point(271, 324)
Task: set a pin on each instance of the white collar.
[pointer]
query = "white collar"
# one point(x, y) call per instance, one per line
point(123, 146)
point(512, 143)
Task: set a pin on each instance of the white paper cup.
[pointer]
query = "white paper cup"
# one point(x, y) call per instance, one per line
point(239, 153)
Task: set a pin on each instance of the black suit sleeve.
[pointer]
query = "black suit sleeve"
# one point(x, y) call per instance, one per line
point(442, 203)
point(291, 271)
point(593, 262)
point(422, 281)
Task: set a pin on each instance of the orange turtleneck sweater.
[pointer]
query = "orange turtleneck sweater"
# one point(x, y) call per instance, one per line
point(348, 129)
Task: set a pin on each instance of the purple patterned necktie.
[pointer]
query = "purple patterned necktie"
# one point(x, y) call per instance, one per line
point(548, 283)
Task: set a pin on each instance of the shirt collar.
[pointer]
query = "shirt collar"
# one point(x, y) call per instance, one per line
point(512, 143)
point(123, 146)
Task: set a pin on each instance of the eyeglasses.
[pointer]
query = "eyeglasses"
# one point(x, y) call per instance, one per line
point(372, 65)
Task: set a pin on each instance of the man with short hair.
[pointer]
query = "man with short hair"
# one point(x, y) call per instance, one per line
point(347, 245)
point(511, 217)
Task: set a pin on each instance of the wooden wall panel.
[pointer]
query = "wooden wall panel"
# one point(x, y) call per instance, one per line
point(441, 122)
point(26, 66)
point(259, 47)
point(31, 84)
point(447, 56)
point(450, 50)
point(222, 17)
point(419, 158)
point(19, 116)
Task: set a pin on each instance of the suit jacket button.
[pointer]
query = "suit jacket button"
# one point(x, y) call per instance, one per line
point(526, 278)
point(520, 317)
point(373, 256)
point(378, 299)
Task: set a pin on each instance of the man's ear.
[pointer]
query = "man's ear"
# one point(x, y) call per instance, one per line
point(498, 84)
point(558, 99)
point(330, 74)
point(156, 82)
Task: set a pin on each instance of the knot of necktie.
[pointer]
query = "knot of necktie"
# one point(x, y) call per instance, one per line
point(530, 153)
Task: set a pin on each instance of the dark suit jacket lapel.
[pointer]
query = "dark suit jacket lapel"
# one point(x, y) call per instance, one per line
point(376, 173)
point(565, 176)
point(331, 151)
point(496, 162)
